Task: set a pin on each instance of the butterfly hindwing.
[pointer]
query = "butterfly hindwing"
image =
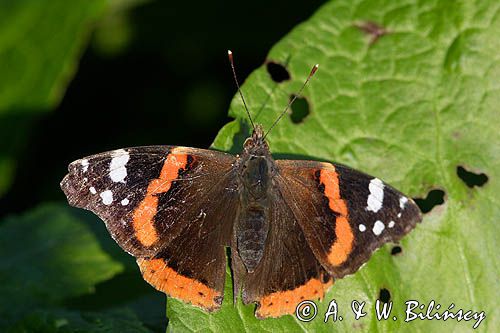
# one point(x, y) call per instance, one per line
point(288, 272)
point(168, 206)
point(344, 214)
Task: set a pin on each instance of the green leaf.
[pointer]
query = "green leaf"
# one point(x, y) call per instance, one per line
point(48, 255)
point(408, 107)
point(40, 45)
point(67, 321)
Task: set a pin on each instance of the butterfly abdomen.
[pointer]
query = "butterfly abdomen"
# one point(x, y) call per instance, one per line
point(252, 224)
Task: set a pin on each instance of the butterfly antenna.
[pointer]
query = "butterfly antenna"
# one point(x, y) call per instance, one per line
point(313, 70)
point(230, 56)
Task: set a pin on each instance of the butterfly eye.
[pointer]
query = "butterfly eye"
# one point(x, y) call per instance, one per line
point(248, 143)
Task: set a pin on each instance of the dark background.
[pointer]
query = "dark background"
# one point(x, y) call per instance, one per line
point(156, 73)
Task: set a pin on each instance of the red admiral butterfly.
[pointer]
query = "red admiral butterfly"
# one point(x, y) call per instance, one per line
point(292, 226)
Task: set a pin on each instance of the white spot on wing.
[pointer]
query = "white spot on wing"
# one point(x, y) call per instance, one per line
point(107, 197)
point(391, 224)
point(124, 202)
point(85, 164)
point(117, 169)
point(376, 196)
point(378, 227)
point(402, 202)
point(399, 214)
point(362, 227)
point(92, 190)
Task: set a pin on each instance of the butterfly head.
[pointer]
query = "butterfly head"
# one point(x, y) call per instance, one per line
point(256, 145)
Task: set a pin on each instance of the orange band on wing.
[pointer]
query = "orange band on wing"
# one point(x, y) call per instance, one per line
point(144, 228)
point(285, 302)
point(341, 248)
point(164, 278)
point(143, 219)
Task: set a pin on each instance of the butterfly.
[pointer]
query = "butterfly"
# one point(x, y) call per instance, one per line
point(291, 226)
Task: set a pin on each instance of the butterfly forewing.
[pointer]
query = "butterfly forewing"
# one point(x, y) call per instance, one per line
point(110, 184)
point(171, 207)
point(344, 214)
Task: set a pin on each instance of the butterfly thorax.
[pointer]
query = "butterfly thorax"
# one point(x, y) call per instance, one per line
point(256, 169)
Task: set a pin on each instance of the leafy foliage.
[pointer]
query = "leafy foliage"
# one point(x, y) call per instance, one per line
point(122, 320)
point(406, 91)
point(40, 45)
point(48, 255)
point(41, 60)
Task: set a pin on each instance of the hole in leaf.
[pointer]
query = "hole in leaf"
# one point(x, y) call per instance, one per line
point(299, 108)
point(384, 295)
point(278, 72)
point(396, 250)
point(471, 179)
point(434, 198)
